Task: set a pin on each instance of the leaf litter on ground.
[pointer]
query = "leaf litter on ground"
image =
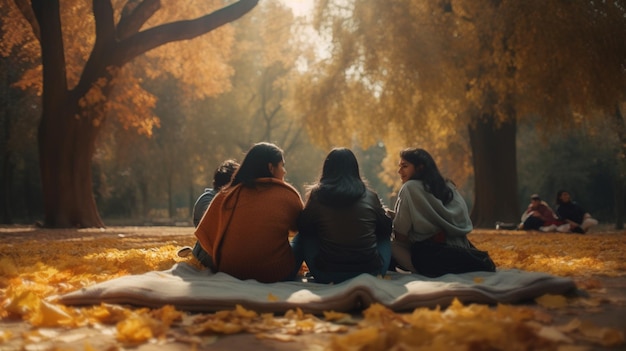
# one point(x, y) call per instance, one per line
point(37, 264)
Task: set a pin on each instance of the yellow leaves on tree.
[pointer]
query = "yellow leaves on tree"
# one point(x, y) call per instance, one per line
point(201, 66)
point(373, 88)
point(17, 39)
point(132, 104)
point(31, 79)
point(79, 28)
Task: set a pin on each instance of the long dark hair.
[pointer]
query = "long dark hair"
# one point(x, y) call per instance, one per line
point(558, 197)
point(426, 170)
point(340, 183)
point(224, 173)
point(255, 163)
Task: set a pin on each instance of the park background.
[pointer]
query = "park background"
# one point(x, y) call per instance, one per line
point(116, 112)
point(512, 98)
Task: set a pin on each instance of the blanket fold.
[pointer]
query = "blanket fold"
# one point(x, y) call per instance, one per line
point(190, 289)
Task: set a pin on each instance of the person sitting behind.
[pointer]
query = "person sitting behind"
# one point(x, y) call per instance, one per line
point(221, 177)
point(343, 230)
point(577, 218)
point(539, 216)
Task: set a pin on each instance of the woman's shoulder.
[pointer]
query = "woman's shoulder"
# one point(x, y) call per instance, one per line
point(451, 184)
point(412, 186)
point(279, 185)
point(412, 183)
point(370, 192)
point(370, 195)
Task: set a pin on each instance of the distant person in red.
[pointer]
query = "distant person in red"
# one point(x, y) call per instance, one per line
point(539, 216)
point(578, 220)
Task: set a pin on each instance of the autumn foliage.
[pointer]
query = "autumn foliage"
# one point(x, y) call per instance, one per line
point(35, 265)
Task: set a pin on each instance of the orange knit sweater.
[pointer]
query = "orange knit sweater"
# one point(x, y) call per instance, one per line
point(246, 230)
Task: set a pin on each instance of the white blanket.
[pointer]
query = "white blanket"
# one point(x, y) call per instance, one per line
point(194, 290)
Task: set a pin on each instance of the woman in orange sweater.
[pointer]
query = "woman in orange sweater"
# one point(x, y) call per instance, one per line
point(246, 228)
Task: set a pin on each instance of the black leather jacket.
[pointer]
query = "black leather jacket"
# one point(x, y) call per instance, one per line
point(347, 234)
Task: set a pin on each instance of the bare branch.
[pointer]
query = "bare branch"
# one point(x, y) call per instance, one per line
point(105, 42)
point(134, 15)
point(48, 17)
point(295, 141)
point(105, 27)
point(180, 30)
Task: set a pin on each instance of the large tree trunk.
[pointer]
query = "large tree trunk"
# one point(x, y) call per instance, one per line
point(495, 172)
point(66, 148)
point(67, 133)
point(66, 138)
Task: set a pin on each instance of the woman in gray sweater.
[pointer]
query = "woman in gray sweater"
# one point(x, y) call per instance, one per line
point(429, 209)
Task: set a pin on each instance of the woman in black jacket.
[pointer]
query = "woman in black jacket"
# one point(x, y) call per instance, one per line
point(576, 216)
point(343, 230)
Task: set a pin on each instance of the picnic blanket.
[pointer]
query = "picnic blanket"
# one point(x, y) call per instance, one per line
point(190, 289)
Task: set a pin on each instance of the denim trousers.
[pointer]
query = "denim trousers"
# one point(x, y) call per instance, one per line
point(307, 247)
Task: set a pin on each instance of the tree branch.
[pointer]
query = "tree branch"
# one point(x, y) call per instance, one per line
point(105, 26)
point(48, 17)
point(180, 30)
point(135, 15)
point(29, 15)
point(105, 42)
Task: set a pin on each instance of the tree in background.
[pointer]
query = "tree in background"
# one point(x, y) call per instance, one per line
point(266, 53)
point(195, 135)
point(437, 73)
point(578, 161)
point(21, 108)
point(19, 180)
point(79, 77)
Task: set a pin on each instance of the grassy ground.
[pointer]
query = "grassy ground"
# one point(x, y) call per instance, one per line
point(37, 263)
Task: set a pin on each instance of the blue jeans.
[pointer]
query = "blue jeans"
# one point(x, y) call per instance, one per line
point(307, 247)
point(203, 256)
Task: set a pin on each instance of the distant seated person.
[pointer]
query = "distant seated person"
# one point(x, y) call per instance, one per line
point(539, 216)
point(577, 219)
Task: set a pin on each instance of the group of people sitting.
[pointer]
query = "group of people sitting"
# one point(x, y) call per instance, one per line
point(254, 225)
point(568, 216)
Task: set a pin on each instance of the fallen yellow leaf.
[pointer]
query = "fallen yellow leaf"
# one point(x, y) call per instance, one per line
point(552, 301)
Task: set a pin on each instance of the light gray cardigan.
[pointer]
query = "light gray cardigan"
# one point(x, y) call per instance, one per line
point(420, 215)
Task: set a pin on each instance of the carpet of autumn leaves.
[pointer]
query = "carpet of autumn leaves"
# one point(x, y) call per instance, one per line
point(37, 264)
